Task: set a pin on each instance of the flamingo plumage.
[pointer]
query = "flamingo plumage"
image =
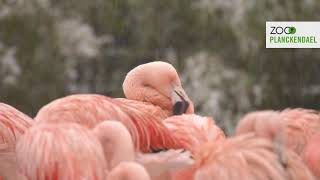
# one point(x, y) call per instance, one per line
point(129, 171)
point(192, 131)
point(311, 154)
point(249, 157)
point(229, 158)
point(116, 142)
point(301, 125)
point(154, 92)
point(118, 148)
point(296, 128)
point(61, 151)
point(263, 123)
point(13, 124)
point(64, 151)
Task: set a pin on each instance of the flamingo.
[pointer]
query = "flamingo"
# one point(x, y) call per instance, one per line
point(263, 123)
point(63, 151)
point(13, 125)
point(118, 148)
point(153, 92)
point(249, 157)
point(293, 126)
point(158, 83)
point(301, 125)
point(58, 151)
point(296, 128)
point(192, 131)
point(218, 157)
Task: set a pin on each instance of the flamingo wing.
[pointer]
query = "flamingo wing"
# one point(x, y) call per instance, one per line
point(141, 119)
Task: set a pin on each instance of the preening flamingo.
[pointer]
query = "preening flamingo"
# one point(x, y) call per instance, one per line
point(118, 148)
point(65, 151)
point(154, 92)
point(13, 124)
point(249, 157)
point(158, 83)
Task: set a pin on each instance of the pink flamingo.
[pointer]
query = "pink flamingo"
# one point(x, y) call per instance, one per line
point(13, 124)
point(249, 157)
point(262, 123)
point(154, 92)
point(158, 83)
point(293, 126)
point(68, 151)
point(244, 156)
point(301, 125)
point(192, 131)
point(296, 128)
point(118, 148)
point(65, 151)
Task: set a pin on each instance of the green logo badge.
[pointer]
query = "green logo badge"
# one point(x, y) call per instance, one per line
point(292, 30)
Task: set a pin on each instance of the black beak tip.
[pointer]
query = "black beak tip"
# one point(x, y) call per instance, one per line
point(180, 107)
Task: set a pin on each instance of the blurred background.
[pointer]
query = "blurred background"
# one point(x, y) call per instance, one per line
point(52, 48)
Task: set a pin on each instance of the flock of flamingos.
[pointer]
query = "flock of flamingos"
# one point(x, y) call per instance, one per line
point(154, 134)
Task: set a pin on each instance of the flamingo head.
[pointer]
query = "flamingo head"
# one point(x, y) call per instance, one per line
point(158, 83)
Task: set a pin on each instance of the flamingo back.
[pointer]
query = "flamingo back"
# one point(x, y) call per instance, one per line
point(301, 125)
point(65, 151)
point(249, 157)
point(191, 131)
point(13, 125)
point(311, 154)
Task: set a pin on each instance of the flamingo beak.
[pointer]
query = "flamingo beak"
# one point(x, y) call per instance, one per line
point(180, 101)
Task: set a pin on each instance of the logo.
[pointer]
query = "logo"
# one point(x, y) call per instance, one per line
point(292, 34)
point(281, 30)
